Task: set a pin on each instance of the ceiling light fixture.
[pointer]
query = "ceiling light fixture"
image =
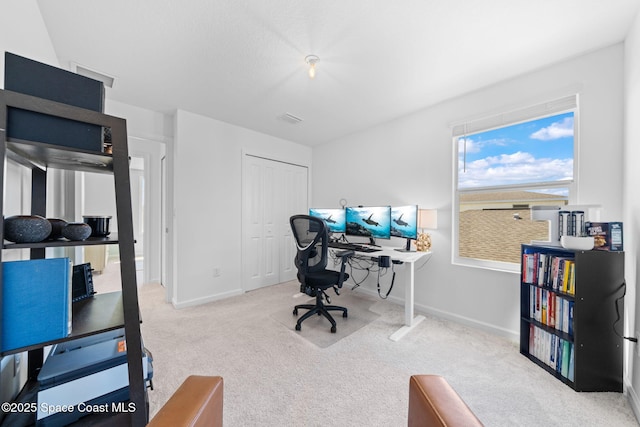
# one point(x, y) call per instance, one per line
point(312, 60)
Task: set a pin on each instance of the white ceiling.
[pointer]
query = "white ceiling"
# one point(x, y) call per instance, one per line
point(242, 61)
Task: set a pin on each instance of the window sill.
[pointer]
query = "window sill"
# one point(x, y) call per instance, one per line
point(504, 267)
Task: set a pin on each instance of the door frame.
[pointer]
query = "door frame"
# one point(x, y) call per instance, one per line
point(271, 157)
point(151, 151)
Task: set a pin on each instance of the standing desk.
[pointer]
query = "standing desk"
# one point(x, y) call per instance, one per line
point(409, 258)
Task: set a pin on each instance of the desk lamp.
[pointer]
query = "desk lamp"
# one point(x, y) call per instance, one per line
point(427, 218)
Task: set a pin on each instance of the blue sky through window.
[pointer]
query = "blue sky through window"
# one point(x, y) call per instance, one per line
point(537, 151)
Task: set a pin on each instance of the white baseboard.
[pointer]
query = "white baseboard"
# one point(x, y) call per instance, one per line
point(204, 300)
point(633, 399)
point(513, 336)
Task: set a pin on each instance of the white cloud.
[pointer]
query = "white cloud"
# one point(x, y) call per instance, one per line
point(471, 146)
point(517, 168)
point(511, 159)
point(556, 130)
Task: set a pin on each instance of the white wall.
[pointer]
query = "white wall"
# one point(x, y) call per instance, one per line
point(22, 32)
point(205, 172)
point(409, 160)
point(632, 204)
point(142, 124)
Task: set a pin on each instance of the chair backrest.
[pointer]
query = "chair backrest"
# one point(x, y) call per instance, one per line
point(311, 235)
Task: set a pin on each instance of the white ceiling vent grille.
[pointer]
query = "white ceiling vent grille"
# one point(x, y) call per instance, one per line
point(290, 118)
point(93, 74)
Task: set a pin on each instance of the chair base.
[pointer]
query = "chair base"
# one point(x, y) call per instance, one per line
point(318, 308)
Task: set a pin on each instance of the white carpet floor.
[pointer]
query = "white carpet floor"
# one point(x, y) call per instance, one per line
point(275, 376)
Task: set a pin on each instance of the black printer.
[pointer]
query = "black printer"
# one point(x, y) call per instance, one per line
point(86, 376)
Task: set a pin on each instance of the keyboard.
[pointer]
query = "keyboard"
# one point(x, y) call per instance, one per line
point(352, 247)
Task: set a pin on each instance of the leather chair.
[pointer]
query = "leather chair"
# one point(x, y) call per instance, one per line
point(196, 403)
point(312, 237)
point(433, 402)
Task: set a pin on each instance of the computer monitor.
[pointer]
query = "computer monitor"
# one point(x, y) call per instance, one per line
point(404, 223)
point(372, 221)
point(334, 218)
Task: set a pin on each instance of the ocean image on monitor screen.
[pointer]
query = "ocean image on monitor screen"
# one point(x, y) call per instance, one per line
point(334, 218)
point(404, 221)
point(369, 221)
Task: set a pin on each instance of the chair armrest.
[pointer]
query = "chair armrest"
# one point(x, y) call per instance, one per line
point(433, 402)
point(345, 254)
point(196, 403)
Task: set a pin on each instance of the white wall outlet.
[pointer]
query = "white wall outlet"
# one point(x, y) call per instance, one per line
point(216, 271)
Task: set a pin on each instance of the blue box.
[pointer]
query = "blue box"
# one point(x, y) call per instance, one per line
point(36, 302)
point(607, 235)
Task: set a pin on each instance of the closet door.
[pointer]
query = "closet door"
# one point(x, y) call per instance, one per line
point(272, 192)
point(294, 201)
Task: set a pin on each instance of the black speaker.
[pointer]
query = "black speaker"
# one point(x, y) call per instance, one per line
point(82, 282)
point(44, 81)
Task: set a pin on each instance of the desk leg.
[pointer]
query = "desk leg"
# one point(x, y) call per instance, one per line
point(409, 321)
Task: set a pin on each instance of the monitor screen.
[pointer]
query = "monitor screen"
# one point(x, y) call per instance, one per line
point(334, 218)
point(404, 221)
point(372, 221)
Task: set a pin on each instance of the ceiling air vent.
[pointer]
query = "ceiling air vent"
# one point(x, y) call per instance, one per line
point(290, 118)
point(96, 75)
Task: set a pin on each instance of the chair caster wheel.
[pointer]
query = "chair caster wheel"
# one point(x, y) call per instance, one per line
point(295, 311)
point(297, 327)
point(344, 314)
point(333, 329)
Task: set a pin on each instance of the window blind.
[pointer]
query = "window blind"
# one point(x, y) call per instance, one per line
point(516, 116)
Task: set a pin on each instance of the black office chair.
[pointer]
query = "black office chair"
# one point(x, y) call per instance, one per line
point(312, 236)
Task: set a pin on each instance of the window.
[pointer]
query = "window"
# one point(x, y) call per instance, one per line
point(505, 165)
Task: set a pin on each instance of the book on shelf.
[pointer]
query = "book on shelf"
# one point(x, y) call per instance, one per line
point(566, 355)
point(540, 274)
point(563, 275)
point(36, 302)
point(543, 309)
point(553, 279)
point(551, 271)
point(559, 310)
point(535, 300)
point(527, 268)
point(552, 350)
point(570, 318)
point(571, 281)
point(572, 364)
point(551, 310)
point(559, 274)
point(565, 316)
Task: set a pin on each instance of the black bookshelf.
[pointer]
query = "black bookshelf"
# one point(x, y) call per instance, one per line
point(102, 312)
point(595, 333)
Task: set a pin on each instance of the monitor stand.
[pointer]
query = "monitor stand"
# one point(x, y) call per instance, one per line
point(406, 248)
point(342, 238)
point(372, 241)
